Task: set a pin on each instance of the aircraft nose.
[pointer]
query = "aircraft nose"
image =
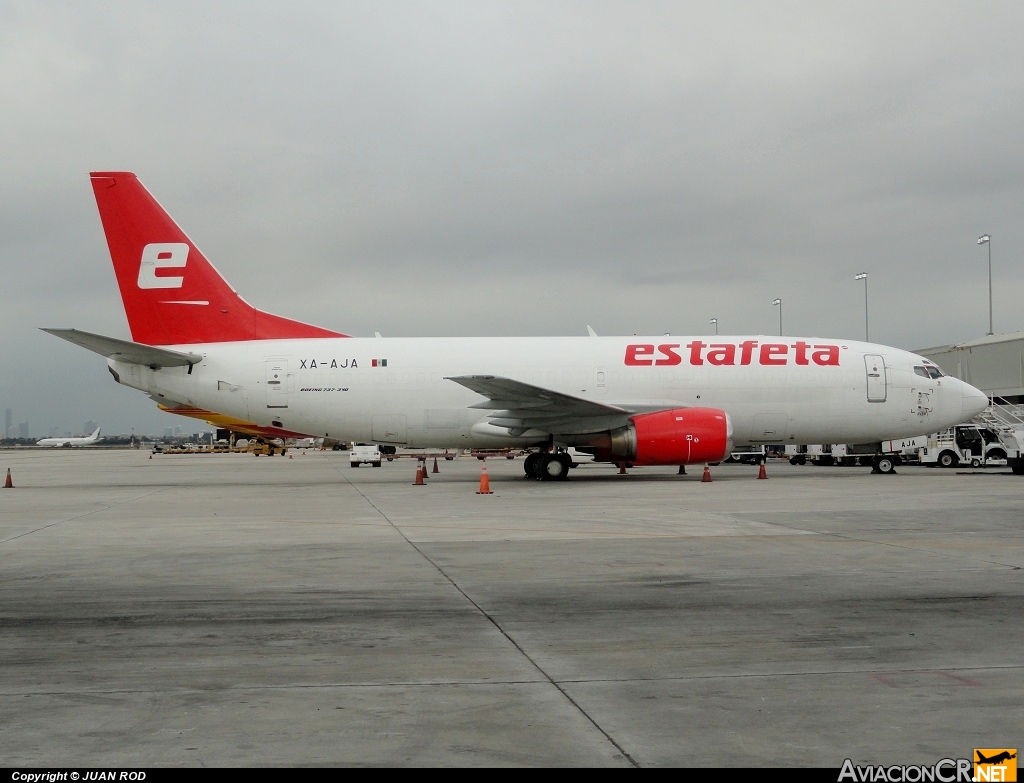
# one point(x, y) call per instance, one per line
point(975, 401)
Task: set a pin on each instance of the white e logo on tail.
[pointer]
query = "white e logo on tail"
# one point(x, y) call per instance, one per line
point(162, 255)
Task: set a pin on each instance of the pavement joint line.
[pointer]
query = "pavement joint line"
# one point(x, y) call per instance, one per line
point(483, 613)
point(80, 516)
point(892, 544)
point(539, 681)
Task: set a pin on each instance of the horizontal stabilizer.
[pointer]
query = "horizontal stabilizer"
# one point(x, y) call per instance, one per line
point(126, 351)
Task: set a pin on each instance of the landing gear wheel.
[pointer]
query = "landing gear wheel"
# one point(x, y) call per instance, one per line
point(884, 465)
point(554, 467)
point(531, 465)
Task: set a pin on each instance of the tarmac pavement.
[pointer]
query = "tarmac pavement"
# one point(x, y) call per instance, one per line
point(229, 610)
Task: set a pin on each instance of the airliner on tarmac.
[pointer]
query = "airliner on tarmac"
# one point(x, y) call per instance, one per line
point(200, 350)
point(88, 440)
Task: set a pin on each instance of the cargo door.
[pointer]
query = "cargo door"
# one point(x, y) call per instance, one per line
point(769, 428)
point(874, 366)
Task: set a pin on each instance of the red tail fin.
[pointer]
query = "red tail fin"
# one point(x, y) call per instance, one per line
point(172, 295)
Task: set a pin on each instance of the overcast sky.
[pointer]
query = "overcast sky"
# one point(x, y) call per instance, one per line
point(516, 168)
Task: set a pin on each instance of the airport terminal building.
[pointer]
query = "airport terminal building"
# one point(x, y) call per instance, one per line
point(994, 364)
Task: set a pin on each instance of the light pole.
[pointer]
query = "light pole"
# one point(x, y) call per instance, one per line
point(985, 239)
point(778, 303)
point(715, 322)
point(864, 276)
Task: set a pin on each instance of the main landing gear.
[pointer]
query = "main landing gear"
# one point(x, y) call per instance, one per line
point(548, 466)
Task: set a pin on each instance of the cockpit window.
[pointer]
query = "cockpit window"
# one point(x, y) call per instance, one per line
point(928, 371)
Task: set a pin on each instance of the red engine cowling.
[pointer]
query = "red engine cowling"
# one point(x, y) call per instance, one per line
point(681, 436)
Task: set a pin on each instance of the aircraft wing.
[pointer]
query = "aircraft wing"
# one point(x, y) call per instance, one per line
point(126, 351)
point(519, 407)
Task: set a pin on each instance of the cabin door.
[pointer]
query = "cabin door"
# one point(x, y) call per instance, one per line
point(874, 365)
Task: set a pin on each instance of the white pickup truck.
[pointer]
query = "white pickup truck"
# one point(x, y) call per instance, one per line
point(364, 454)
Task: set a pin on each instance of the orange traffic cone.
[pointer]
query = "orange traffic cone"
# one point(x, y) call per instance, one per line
point(8, 484)
point(762, 473)
point(707, 474)
point(435, 470)
point(485, 484)
point(622, 468)
point(419, 476)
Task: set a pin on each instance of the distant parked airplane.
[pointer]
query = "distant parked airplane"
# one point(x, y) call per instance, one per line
point(89, 440)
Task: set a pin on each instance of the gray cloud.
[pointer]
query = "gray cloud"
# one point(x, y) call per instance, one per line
point(485, 168)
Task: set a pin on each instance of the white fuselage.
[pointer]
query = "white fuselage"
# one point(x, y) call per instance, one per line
point(394, 390)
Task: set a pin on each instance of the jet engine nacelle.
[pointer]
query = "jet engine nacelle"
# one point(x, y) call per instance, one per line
point(681, 436)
